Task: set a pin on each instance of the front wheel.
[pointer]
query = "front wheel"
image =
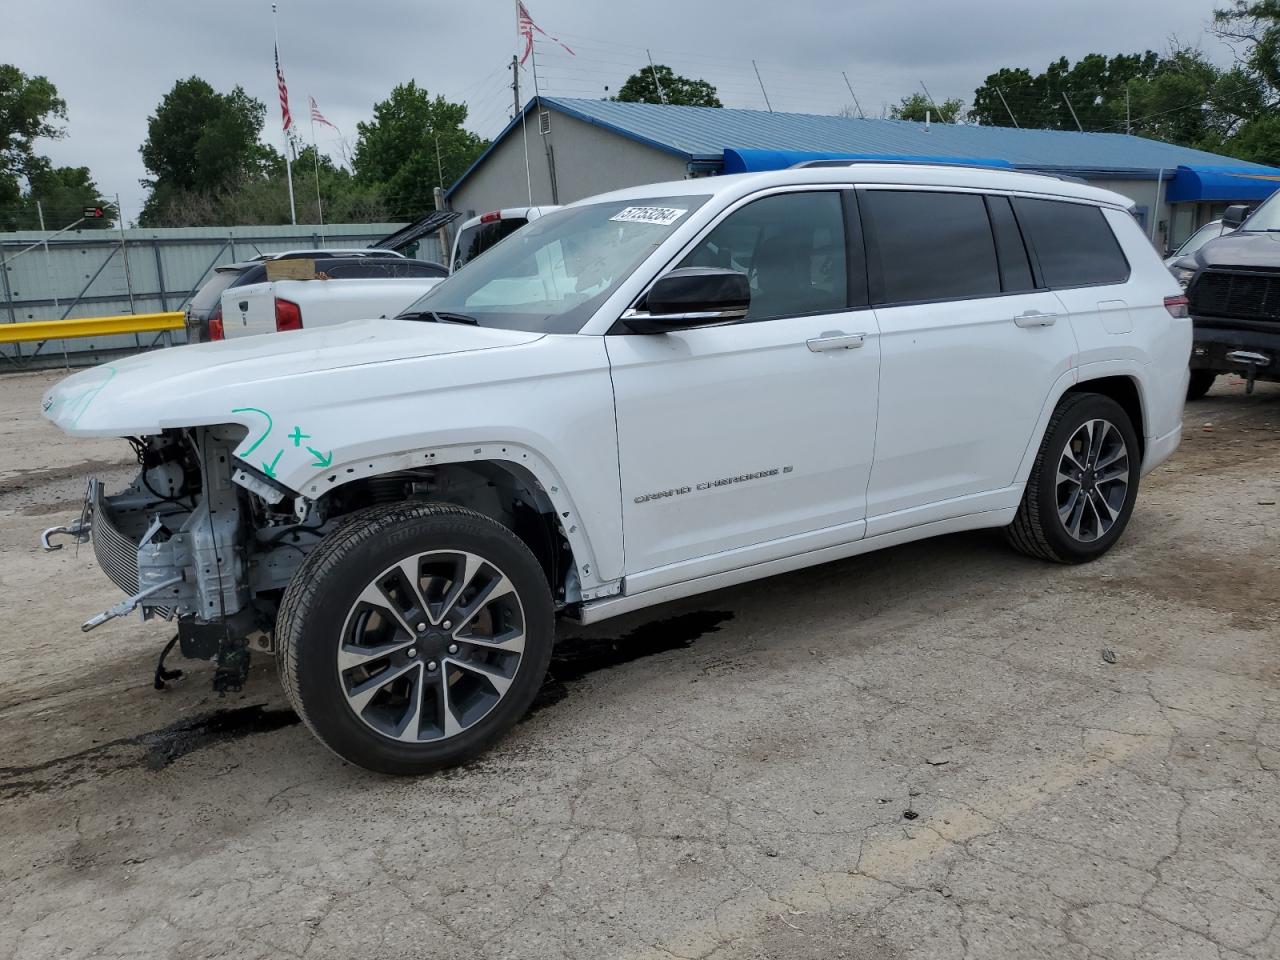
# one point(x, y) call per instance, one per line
point(1083, 484)
point(414, 636)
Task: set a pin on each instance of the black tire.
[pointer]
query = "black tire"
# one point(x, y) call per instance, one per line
point(1037, 529)
point(319, 602)
point(1200, 383)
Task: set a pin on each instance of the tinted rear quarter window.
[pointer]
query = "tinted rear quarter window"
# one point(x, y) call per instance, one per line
point(928, 246)
point(1072, 242)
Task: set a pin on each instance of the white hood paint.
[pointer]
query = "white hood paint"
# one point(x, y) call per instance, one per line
point(201, 384)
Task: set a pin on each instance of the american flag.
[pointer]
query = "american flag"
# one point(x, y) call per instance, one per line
point(286, 116)
point(525, 28)
point(318, 117)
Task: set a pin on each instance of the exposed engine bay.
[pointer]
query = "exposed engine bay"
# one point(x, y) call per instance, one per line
point(204, 539)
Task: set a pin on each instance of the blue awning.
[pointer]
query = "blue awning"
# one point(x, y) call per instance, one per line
point(751, 161)
point(1252, 182)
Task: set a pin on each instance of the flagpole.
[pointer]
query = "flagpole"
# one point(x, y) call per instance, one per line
point(288, 164)
point(315, 155)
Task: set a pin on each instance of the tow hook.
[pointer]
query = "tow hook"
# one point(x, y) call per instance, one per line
point(79, 530)
point(1251, 362)
point(128, 604)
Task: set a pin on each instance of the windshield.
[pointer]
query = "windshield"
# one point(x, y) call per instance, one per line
point(1198, 239)
point(208, 295)
point(551, 276)
point(1266, 217)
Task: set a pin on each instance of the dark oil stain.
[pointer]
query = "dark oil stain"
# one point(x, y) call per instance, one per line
point(576, 657)
point(159, 749)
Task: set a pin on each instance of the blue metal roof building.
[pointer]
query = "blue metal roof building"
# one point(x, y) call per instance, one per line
point(576, 148)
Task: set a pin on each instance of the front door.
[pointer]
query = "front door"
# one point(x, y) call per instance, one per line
point(736, 436)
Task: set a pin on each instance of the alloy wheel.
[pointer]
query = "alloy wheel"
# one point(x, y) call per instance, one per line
point(1093, 480)
point(431, 646)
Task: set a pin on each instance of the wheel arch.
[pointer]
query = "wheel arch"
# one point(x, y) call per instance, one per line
point(1124, 390)
point(513, 473)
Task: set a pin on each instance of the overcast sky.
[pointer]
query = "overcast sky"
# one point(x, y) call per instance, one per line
point(112, 60)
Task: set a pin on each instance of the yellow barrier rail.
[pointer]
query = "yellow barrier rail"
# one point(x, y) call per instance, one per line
point(35, 330)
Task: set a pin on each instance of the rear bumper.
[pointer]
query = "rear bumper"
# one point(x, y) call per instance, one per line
point(1160, 449)
point(1213, 340)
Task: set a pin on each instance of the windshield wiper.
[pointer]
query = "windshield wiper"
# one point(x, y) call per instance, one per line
point(438, 316)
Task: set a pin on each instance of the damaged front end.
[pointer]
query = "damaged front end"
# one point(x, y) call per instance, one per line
point(200, 540)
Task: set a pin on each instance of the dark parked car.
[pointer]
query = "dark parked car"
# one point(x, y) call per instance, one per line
point(1234, 296)
point(335, 264)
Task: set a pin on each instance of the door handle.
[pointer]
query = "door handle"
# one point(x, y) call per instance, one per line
point(836, 341)
point(1035, 318)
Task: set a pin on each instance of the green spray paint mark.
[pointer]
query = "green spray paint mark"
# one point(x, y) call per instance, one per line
point(84, 399)
point(270, 468)
point(298, 436)
point(322, 459)
point(257, 443)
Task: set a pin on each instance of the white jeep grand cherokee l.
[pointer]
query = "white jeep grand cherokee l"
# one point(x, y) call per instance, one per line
point(639, 397)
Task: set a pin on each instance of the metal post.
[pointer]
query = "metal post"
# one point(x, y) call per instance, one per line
point(662, 97)
point(852, 94)
point(124, 249)
point(762, 89)
point(928, 96)
point(164, 293)
point(1073, 112)
point(1155, 210)
point(515, 85)
point(48, 270)
point(1006, 106)
point(8, 299)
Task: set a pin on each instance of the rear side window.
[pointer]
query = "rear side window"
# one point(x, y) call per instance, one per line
point(928, 246)
point(474, 241)
point(1072, 242)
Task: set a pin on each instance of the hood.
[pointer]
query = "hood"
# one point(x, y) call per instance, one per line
point(1243, 248)
point(195, 385)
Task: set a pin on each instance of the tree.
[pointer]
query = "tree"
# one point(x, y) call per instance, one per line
point(203, 142)
point(63, 193)
point(1094, 88)
point(29, 109)
point(1253, 25)
point(642, 87)
point(413, 144)
point(917, 107)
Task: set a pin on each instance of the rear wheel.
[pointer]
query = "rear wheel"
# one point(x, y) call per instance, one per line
point(1201, 381)
point(414, 636)
point(1083, 484)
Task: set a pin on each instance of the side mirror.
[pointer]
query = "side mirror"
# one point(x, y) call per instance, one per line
point(691, 297)
point(1234, 215)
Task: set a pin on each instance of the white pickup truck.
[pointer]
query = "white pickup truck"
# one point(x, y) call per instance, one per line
point(278, 305)
point(731, 377)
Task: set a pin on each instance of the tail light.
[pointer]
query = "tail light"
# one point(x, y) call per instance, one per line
point(215, 324)
point(288, 315)
point(490, 217)
point(1178, 307)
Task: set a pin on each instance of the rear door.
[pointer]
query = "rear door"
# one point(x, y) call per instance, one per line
point(971, 344)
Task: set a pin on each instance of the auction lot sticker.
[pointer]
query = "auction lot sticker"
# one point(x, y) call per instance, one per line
point(662, 216)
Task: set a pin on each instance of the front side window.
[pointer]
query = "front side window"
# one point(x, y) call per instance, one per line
point(1073, 243)
point(791, 246)
point(553, 275)
point(928, 246)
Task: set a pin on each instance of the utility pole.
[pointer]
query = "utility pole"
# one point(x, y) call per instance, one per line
point(515, 86)
point(1000, 93)
point(852, 94)
point(1128, 121)
point(1073, 112)
point(762, 89)
point(662, 97)
point(124, 249)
